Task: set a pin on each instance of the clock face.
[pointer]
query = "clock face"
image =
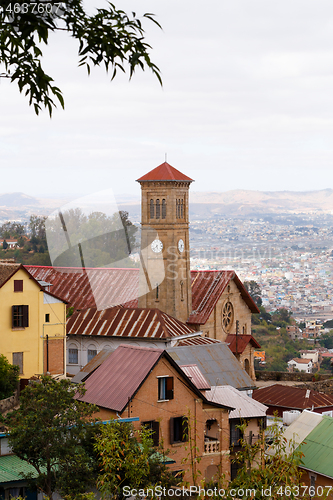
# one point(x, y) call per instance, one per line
point(181, 246)
point(157, 246)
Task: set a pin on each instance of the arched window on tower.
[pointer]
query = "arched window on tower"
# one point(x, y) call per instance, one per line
point(158, 209)
point(181, 290)
point(152, 209)
point(182, 209)
point(163, 209)
point(176, 209)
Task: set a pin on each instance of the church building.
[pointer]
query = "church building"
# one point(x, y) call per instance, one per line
point(211, 305)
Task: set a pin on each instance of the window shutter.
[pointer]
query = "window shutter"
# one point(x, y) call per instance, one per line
point(13, 315)
point(25, 316)
point(169, 388)
point(172, 439)
point(18, 285)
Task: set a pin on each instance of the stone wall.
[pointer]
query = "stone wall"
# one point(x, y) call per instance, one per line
point(289, 376)
point(9, 403)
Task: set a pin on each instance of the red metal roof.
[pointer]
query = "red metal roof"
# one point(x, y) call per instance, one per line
point(107, 287)
point(291, 397)
point(116, 380)
point(242, 342)
point(196, 341)
point(207, 288)
point(165, 172)
point(126, 322)
point(194, 374)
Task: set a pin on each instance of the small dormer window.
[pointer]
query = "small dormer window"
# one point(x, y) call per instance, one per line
point(18, 285)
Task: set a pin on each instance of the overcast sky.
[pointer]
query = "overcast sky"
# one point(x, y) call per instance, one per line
point(246, 103)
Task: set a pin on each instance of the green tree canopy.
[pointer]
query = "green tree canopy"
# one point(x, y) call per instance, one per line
point(50, 431)
point(9, 378)
point(254, 290)
point(127, 459)
point(110, 37)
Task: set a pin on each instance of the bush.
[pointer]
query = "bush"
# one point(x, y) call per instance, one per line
point(9, 378)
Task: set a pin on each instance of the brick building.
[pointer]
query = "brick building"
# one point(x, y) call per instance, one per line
point(147, 383)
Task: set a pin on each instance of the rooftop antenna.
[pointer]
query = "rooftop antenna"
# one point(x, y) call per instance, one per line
point(165, 157)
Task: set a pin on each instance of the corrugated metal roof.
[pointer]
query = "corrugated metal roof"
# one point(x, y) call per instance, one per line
point(119, 377)
point(318, 448)
point(197, 341)
point(164, 172)
point(92, 365)
point(245, 407)
point(85, 288)
point(242, 342)
point(11, 466)
point(207, 288)
point(108, 287)
point(292, 397)
point(216, 362)
point(195, 375)
point(126, 322)
point(299, 429)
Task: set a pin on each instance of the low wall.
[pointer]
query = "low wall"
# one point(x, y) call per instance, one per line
point(290, 376)
point(9, 403)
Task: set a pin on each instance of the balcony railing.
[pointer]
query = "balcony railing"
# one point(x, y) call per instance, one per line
point(212, 447)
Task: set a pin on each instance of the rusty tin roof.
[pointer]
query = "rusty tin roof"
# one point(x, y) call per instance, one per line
point(207, 288)
point(108, 287)
point(242, 342)
point(216, 362)
point(195, 375)
point(126, 322)
point(120, 376)
point(292, 397)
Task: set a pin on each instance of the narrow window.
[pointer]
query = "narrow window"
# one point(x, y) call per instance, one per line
point(182, 209)
point(176, 209)
point(20, 316)
point(157, 292)
point(181, 290)
point(163, 209)
point(178, 215)
point(178, 430)
point(47, 318)
point(154, 427)
point(152, 209)
point(18, 360)
point(91, 354)
point(165, 388)
point(73, 356)
point(158, 209)
point(18, 285)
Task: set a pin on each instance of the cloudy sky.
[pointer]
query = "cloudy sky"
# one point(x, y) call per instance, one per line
point(246, 103)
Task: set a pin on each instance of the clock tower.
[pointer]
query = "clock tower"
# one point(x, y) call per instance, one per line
point(165, 280)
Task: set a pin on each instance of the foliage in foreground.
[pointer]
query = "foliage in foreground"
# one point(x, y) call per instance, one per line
point(9, 378)
point(261, 471)
point(51, 433)
point(127, 458)
point(110, 38)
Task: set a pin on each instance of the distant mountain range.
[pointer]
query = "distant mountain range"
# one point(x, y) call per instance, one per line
point(245, 203)
point(240, 202)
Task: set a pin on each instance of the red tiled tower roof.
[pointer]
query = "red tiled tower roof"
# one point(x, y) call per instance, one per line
point(165, 172)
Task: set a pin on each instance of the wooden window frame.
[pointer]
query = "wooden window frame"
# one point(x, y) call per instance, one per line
point(178, 429)
point(18, 286)
point(165, 388)
point(20, 316)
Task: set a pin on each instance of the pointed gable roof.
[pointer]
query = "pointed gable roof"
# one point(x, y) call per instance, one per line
point(165, 172)
point(242, 341)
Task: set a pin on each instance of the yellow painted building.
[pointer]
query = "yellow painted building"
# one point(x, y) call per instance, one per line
point(32, 323)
